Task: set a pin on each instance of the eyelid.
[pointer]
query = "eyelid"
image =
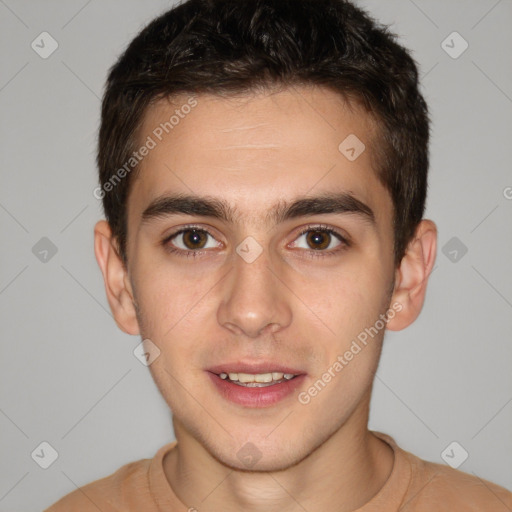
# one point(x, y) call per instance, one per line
point(325, 228)
point(188, 227)
point(171, 248)
point(345, 240)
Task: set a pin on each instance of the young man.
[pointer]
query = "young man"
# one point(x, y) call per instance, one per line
point(263, 169)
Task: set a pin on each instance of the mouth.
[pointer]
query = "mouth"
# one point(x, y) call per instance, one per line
point(259, 380)
point(257, 385)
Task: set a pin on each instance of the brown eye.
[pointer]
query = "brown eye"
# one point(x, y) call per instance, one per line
point(190, 239)
point(194, 239)
point(321, 239)
point(318, 239)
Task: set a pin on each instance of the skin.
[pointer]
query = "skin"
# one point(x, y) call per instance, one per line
point(287, 305)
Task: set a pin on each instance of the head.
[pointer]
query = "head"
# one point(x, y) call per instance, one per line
point(261, 119)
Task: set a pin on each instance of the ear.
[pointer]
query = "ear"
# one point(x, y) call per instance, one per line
point(412, 275)
point(115, 276)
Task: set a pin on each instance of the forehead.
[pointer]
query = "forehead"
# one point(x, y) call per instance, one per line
point(256, 150)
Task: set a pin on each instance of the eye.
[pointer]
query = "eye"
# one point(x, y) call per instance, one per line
point(189, 240)
point(321, 239)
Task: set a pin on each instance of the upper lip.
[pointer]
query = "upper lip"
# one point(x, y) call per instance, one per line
point(254, 368)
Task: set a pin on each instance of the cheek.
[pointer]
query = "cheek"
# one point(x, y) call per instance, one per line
point(167, 297)
point(347, 299)
point(349, 361)
point(174, 310)
point(349, 304)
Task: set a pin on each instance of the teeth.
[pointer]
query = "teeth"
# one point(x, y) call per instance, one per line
point(245, 378)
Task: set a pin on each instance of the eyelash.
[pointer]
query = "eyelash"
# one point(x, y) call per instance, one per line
point(313, 253)
point(322, 228)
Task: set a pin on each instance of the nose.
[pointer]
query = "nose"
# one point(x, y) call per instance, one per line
point(254, 301)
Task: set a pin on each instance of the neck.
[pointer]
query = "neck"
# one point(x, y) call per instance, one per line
point(342, 474)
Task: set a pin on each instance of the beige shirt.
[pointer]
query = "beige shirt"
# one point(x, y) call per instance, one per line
point(414, 485)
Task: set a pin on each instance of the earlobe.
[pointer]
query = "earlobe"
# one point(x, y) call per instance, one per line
point(412, 275)
point(117, 284)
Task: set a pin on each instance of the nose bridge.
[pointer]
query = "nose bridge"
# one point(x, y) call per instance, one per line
point(254, 299)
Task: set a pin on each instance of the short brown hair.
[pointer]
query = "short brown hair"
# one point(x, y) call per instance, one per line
point(232, 46)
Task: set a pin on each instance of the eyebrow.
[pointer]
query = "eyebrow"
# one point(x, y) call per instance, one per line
point(206, 206)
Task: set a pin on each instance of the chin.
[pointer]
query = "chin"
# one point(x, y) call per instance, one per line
point(259, 454)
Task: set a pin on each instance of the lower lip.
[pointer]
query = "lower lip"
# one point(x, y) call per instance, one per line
point(256, 397)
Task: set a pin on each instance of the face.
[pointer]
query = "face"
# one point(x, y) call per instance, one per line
point(277, 266)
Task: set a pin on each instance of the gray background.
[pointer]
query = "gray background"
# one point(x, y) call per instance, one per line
point(68, 375)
